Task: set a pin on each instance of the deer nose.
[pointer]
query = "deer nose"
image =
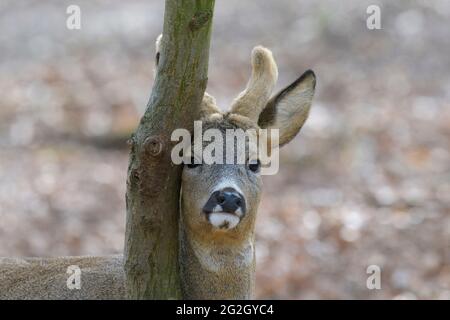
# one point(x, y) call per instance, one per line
point(228, 200)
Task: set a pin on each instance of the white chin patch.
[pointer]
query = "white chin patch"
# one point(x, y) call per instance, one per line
point(223, 220)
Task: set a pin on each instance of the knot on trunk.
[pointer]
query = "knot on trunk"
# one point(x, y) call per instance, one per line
point(153, 146)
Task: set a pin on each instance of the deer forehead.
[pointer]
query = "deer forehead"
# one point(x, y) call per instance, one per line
point(234, 136)
point(223, 121)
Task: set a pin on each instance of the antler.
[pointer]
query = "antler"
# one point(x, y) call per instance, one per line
point(252, 100)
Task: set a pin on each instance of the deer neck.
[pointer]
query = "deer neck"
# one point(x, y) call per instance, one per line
point(216, 270)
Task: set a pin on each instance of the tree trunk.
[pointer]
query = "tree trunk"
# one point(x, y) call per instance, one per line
point(153, 184)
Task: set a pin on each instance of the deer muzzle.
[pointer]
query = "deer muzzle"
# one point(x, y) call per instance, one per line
point(225, 208)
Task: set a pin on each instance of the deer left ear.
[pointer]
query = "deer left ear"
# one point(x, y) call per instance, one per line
point(289, 109)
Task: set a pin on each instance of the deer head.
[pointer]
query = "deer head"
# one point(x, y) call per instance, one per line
point(219, 201)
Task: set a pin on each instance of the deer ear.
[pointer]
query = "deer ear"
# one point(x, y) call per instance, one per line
point(289, 109)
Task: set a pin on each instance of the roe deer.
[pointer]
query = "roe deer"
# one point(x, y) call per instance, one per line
point(219, 203)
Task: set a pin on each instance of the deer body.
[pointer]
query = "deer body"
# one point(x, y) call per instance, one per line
point(46, 278)
point(219, 204)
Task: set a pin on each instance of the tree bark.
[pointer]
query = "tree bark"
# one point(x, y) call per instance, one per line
point(153, 184)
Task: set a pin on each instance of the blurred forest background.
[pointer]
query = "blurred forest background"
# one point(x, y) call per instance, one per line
point(366, 182)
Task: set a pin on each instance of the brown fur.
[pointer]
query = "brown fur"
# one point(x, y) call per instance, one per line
point(45, 278)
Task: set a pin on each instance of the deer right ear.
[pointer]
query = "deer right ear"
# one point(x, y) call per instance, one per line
point(289, 109)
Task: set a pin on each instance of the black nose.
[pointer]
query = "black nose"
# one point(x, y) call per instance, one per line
point(228, 199)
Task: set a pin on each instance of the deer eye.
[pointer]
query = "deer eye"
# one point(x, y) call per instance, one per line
point(254, 166)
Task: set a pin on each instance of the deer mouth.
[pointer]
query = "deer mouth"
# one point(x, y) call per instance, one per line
point(223, 220)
